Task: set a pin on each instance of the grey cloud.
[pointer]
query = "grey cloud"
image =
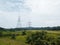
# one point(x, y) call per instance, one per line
point(13, 5)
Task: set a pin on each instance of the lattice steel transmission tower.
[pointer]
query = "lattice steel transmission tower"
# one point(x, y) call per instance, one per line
point(19, 7)
point(22, 8)
point(29, 24)
point(19, 22)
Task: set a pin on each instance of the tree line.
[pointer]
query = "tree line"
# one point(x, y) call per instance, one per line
point(31, 28)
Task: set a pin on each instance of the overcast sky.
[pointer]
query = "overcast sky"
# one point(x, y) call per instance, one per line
point(40, 13)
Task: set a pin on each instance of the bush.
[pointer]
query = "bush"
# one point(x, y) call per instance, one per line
point(38, 38)
point(24, 32)
point(13, 36)
point(41, 38)
point(1, 34)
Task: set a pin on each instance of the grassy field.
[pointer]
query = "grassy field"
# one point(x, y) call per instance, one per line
point(21, 39)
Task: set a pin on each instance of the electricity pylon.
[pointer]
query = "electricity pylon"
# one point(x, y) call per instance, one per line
point(19, 22)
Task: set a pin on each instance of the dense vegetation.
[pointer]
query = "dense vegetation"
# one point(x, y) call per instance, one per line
point(42, 38)
point(29, 37)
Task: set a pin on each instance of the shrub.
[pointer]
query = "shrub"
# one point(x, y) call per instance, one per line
point(37, 38)
point(24, 32)
point(41, 38)
point(1, 34)
point(13, 36)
